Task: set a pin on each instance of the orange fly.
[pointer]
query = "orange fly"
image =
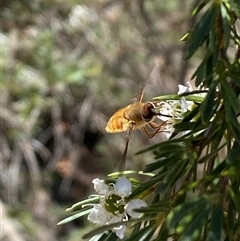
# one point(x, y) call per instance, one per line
point(135, 116)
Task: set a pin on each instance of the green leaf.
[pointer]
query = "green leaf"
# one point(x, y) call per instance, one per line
point(148, 149)
point(235, 7)
point(184, 37)
point(163, 233)
point(200, 31)
point(211, 155)
point(172, 176)
point(167, 147)
point(122, 173)
point(143, 234)
point(199, 7)
point(193, 228)
point(144, 187)
point(75, 216)
point(226, 19)
point(136, 228)
point(215, 230)
point(167, 97)
point(231, 115)
point(156, 165)
point(112, 225)
point(235, 79)
point(234, 126)
point(159, 207)
point(198, 129)
point(78, 206)
point(207, 107)
point(183, 126)
point(210, 65)
point(179, 212)
point(192, 114)
point(200, 73)
point(194, 95)
point(112, 237)
point(100, 237)
point(230, 219)
point(162, 145)
point(234, 195)
point(229, 96)
point(233, 155)
point(219, 168)
point(170, 161)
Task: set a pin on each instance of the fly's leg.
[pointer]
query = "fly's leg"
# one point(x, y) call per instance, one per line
point(156, 127)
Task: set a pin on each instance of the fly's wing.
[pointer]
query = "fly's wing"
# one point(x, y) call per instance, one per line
point(131, 127)
point(141, 90)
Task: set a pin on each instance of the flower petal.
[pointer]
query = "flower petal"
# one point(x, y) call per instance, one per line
point(182, 89)
point(100, 187)
point(120, 231)
point(184, 105)
point(123, 187)
point(189, 86)
point(98, 215)
point(115, 219)
point(168, 129)
point(135, 204)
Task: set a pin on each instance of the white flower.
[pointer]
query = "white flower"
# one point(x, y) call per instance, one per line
point(172, 111)
point(184, 105)
point(113, 206)
point(135, 204)
point(182, 89)
point(98, 215)
point(120, 231)
point(100, 186)
point(123, 186)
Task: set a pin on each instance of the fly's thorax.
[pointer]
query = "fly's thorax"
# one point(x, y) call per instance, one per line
point(135, 112)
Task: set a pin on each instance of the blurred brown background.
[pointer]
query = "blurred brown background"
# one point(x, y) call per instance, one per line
point(66, 67)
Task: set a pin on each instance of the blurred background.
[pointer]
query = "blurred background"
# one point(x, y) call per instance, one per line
point(66, 67)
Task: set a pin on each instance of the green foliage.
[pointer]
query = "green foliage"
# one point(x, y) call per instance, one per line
point(194, 193)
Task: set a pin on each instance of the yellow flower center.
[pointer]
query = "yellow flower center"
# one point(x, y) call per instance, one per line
point(114, 204)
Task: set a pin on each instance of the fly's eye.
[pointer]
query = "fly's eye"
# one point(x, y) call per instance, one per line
point(147, 113)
